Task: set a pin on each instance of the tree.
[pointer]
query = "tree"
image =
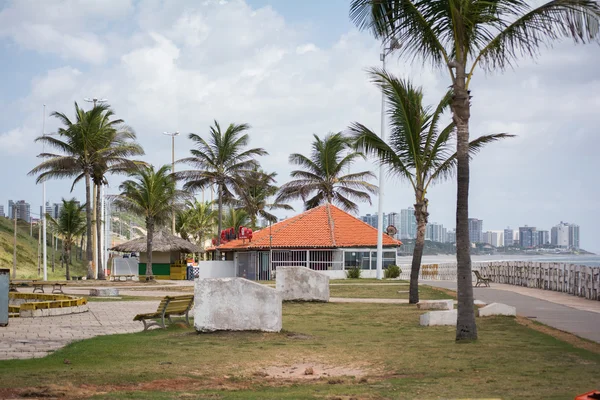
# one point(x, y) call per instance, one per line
point(221, 161)
point(196, 222)
point(419, 150)
point(76, 141)
point(255, 196)
point(115, 145)
point(153, 194)
point(69, 226)
point(458, 36)
point(321, 179)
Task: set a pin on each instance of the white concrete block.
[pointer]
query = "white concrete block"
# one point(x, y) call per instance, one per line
point(436, 304)
point(302, 284)
point(235, 304)
point(438, 318)
point(497, 309)
point(104, 292)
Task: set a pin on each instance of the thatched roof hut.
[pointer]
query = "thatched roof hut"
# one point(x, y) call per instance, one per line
point(162, 242)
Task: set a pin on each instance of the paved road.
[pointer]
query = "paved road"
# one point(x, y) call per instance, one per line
point(577, 318)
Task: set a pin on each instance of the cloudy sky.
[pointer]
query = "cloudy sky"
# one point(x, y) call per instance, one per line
point(291, 69)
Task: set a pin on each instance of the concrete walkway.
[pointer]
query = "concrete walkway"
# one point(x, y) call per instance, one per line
point(562, 311)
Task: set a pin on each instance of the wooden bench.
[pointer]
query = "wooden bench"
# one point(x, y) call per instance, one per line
point(117, 278)
point(14, 284)
point(169, 306)
point(481, 279)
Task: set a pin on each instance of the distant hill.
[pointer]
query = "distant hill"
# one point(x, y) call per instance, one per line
point(27, 252)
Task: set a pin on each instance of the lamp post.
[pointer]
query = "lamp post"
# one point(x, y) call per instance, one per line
point(95, 239)
point(393, 45)
point(43, 216)
point(172, 134)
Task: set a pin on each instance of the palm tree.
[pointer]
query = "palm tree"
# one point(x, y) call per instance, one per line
point(115, 146)
point(322, 179)
point(196, 222)
point(70, 225)
point(76, 142)
point(419, 150)
point(220, 161)
point(458, 36)
point(255, 195)
point(152, 194)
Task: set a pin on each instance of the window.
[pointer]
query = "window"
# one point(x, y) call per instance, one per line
point(356, 259)
point(389, 258)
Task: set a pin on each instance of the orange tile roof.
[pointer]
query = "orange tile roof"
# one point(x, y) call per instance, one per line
point(325, 226)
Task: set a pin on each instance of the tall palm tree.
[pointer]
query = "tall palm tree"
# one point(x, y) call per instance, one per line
point(321, 179)
point(419, 150)
point(196, 222)
point(152, 194)
point(256, 194)
point(220, 161)
point(76, 142)
point(115, 146)
point(459, 36)
point(70, 225)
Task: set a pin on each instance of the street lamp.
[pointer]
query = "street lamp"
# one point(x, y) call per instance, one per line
point(95, 100)
point(393, 45)
point(172, 134)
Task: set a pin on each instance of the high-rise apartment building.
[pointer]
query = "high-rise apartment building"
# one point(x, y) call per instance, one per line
point(574, 236)
point(2, 211)
point(493, 238)
point(559, 235)
point(451, 236)
point(56, 209)
point(528, 237)
point(22, 208)
point(543, 238)
point(408, 224)
point(508, 237)
point(475, 230)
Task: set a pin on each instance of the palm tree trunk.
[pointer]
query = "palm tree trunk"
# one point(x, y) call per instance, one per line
point(466, 328)
point(88, 217)
point(68, 252)
point(220, 223)
point(149, 238)
point(99, 232)
point(421, 216)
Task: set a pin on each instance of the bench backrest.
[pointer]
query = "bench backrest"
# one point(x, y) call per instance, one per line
point(175, 304)
point(477, 274)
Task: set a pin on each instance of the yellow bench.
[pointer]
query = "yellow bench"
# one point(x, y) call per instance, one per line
point(169, 306)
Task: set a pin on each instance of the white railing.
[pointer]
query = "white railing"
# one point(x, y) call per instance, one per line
point(318, 260)
point(434, 272)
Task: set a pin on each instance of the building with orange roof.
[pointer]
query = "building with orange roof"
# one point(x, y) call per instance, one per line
point(324, 238)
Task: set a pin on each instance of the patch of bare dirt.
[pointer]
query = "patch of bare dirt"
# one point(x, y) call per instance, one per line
point(561, 335)
point(310, 371)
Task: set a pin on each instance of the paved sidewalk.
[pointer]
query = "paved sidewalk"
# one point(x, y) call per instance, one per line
point(558, 310)
point(37, 337)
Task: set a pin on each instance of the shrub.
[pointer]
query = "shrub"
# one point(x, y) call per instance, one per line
point(353, 273)
point(392, 271)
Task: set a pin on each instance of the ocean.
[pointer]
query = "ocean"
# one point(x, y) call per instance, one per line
point(589, 260)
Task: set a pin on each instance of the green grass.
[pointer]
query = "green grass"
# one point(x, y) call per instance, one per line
point(122, 298)
point(386, 292)
point(401, 359)
point(27, 253)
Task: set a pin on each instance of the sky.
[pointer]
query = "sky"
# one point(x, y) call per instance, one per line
point(291, 70)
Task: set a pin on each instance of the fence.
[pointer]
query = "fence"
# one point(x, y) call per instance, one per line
point(434, 272)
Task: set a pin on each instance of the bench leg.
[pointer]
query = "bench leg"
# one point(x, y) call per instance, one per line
point(187, 319)
point(145, 325)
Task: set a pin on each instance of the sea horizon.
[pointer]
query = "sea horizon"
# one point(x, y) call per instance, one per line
point(590, 260)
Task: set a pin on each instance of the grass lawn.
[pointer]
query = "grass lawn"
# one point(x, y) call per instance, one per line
point(387, 291)
point(382, 348)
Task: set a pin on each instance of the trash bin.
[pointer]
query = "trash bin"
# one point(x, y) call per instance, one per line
point(190, 273)
point(4, 286)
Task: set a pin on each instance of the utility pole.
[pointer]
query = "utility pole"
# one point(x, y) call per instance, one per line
point(14, 271)
point(172, 134)
point(95, 239)
point(43, 216)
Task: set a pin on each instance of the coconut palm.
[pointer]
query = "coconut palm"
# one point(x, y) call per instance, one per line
point(112, 156)
point(459, 36)
point(321, 179)
point(76, 141)
point(220, 161)
point(70, 225)
point(419, 150)
point(256, 194)
point(196, 222)
point(152, 194)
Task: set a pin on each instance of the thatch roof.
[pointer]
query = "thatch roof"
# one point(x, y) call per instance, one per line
point(162, 242)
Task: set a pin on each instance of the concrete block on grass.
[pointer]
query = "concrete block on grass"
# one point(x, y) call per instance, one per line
point(436, 304)
point(497, 309)
point(302, 284)
point(432, 318)
point(235, 304)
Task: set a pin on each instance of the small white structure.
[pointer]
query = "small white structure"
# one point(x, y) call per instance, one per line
point(104, 292)
point(436, 304)
point(302, 284)
point(438, 318)
point(236, 304)
point(497, 309)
